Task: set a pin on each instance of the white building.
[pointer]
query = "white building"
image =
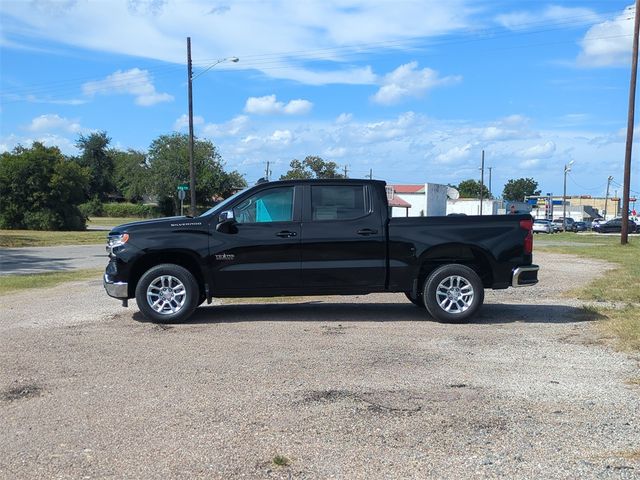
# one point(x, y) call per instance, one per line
point(427, 199)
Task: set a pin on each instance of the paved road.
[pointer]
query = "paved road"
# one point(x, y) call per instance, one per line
point(49, 259)
point(343, 387)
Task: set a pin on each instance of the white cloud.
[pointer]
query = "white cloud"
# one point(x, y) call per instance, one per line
point(282, 136)
point(134, 82)
point(268, 105)
point(349, 76)
point(335, 152)
point(344, 118)
point(182, 122)
point(235, 126)
point(54, 101)
point(507, 128)
point(553, 13)
point(407, 81)
point(543, 150)
point(66, 145)
point(455, 154)
point(608, 43)
point(253, 31)
point(298, 107)
point(53, 122)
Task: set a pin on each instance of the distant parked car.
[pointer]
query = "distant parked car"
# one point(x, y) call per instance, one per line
point(614, 226)
point(580, 227)
point(542, 226)
point(559, 223)
point(596, 222)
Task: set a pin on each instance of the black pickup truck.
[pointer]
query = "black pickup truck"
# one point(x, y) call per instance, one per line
point(317, 237)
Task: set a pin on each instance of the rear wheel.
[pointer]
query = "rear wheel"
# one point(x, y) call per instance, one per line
point(167, 293)
point(453, 293)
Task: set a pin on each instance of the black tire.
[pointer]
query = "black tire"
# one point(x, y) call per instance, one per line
point(457, 284)
point(417, 301)
point(180, 287)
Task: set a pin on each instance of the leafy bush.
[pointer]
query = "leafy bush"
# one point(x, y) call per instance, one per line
point(92, 208)
point(40, 189)
point(130, 210)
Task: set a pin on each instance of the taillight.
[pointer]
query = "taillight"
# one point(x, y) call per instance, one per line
point(528, 240)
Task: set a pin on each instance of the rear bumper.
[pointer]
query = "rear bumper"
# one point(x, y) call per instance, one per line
point(525, 276)
point(115, 289)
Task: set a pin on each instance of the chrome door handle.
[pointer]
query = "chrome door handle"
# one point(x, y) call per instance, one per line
point(286, 234)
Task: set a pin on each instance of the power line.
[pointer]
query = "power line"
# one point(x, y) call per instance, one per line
point(276, 60)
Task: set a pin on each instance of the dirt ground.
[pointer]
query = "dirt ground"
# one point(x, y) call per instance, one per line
point(330, 387)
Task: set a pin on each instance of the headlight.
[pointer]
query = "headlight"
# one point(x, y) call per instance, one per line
point(115, 241)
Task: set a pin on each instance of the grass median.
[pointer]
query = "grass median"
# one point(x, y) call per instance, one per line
point(37, 238)
point(15, 283)
point(620, 285)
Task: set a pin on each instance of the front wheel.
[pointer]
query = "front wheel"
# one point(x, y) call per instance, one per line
point(167, 293)
point(453, 293)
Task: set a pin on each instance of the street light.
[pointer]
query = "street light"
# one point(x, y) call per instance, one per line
point(567, 168)
point(192, 173)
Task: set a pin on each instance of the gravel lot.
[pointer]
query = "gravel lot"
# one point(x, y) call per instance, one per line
point(339, 387)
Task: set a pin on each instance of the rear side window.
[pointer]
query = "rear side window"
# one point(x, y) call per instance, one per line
point(273, 205)
point(338, 202)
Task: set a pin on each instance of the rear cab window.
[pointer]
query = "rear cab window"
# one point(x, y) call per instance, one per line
point(339, 202)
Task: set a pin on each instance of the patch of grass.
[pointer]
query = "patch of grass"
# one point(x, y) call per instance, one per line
point(618, 285)
point(111, 221)
point(14, 283)
point(623, 325)
point(37, 238)
point(281, 461)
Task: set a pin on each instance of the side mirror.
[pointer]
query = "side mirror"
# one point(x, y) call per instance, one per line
point(226, 222)
point(224, 216)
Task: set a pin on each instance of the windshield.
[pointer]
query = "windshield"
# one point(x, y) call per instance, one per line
point(221, 206)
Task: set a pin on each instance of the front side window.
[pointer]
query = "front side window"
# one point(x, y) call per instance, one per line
point(273, 205)
point(337, 202)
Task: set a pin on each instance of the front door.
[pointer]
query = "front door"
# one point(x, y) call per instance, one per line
point(260, 252)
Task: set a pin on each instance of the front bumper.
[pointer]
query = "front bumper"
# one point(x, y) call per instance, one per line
point(525, 276)
point(115, 289)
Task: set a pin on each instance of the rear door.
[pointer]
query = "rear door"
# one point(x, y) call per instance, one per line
point(261, 251)
point(343, 238)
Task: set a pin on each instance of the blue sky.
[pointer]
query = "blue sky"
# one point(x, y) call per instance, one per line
point(413, 90)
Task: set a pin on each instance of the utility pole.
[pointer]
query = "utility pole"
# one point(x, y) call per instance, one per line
point(490, 194)
point(606, 197)
point(345, 171)
point(624, 233)
point(481, 182)
point(192, 172)
point(370, 174)
point(567, 168)
point(267, 172)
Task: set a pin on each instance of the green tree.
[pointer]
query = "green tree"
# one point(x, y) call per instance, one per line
point(40, 189)
point(168, 161)
point(516, 190)
point(96, 157)
point(131, 174)
point(311, 167)
point(471, 189)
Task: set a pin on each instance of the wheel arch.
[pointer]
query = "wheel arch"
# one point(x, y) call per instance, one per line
point(184, 258)
point(472, 256)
